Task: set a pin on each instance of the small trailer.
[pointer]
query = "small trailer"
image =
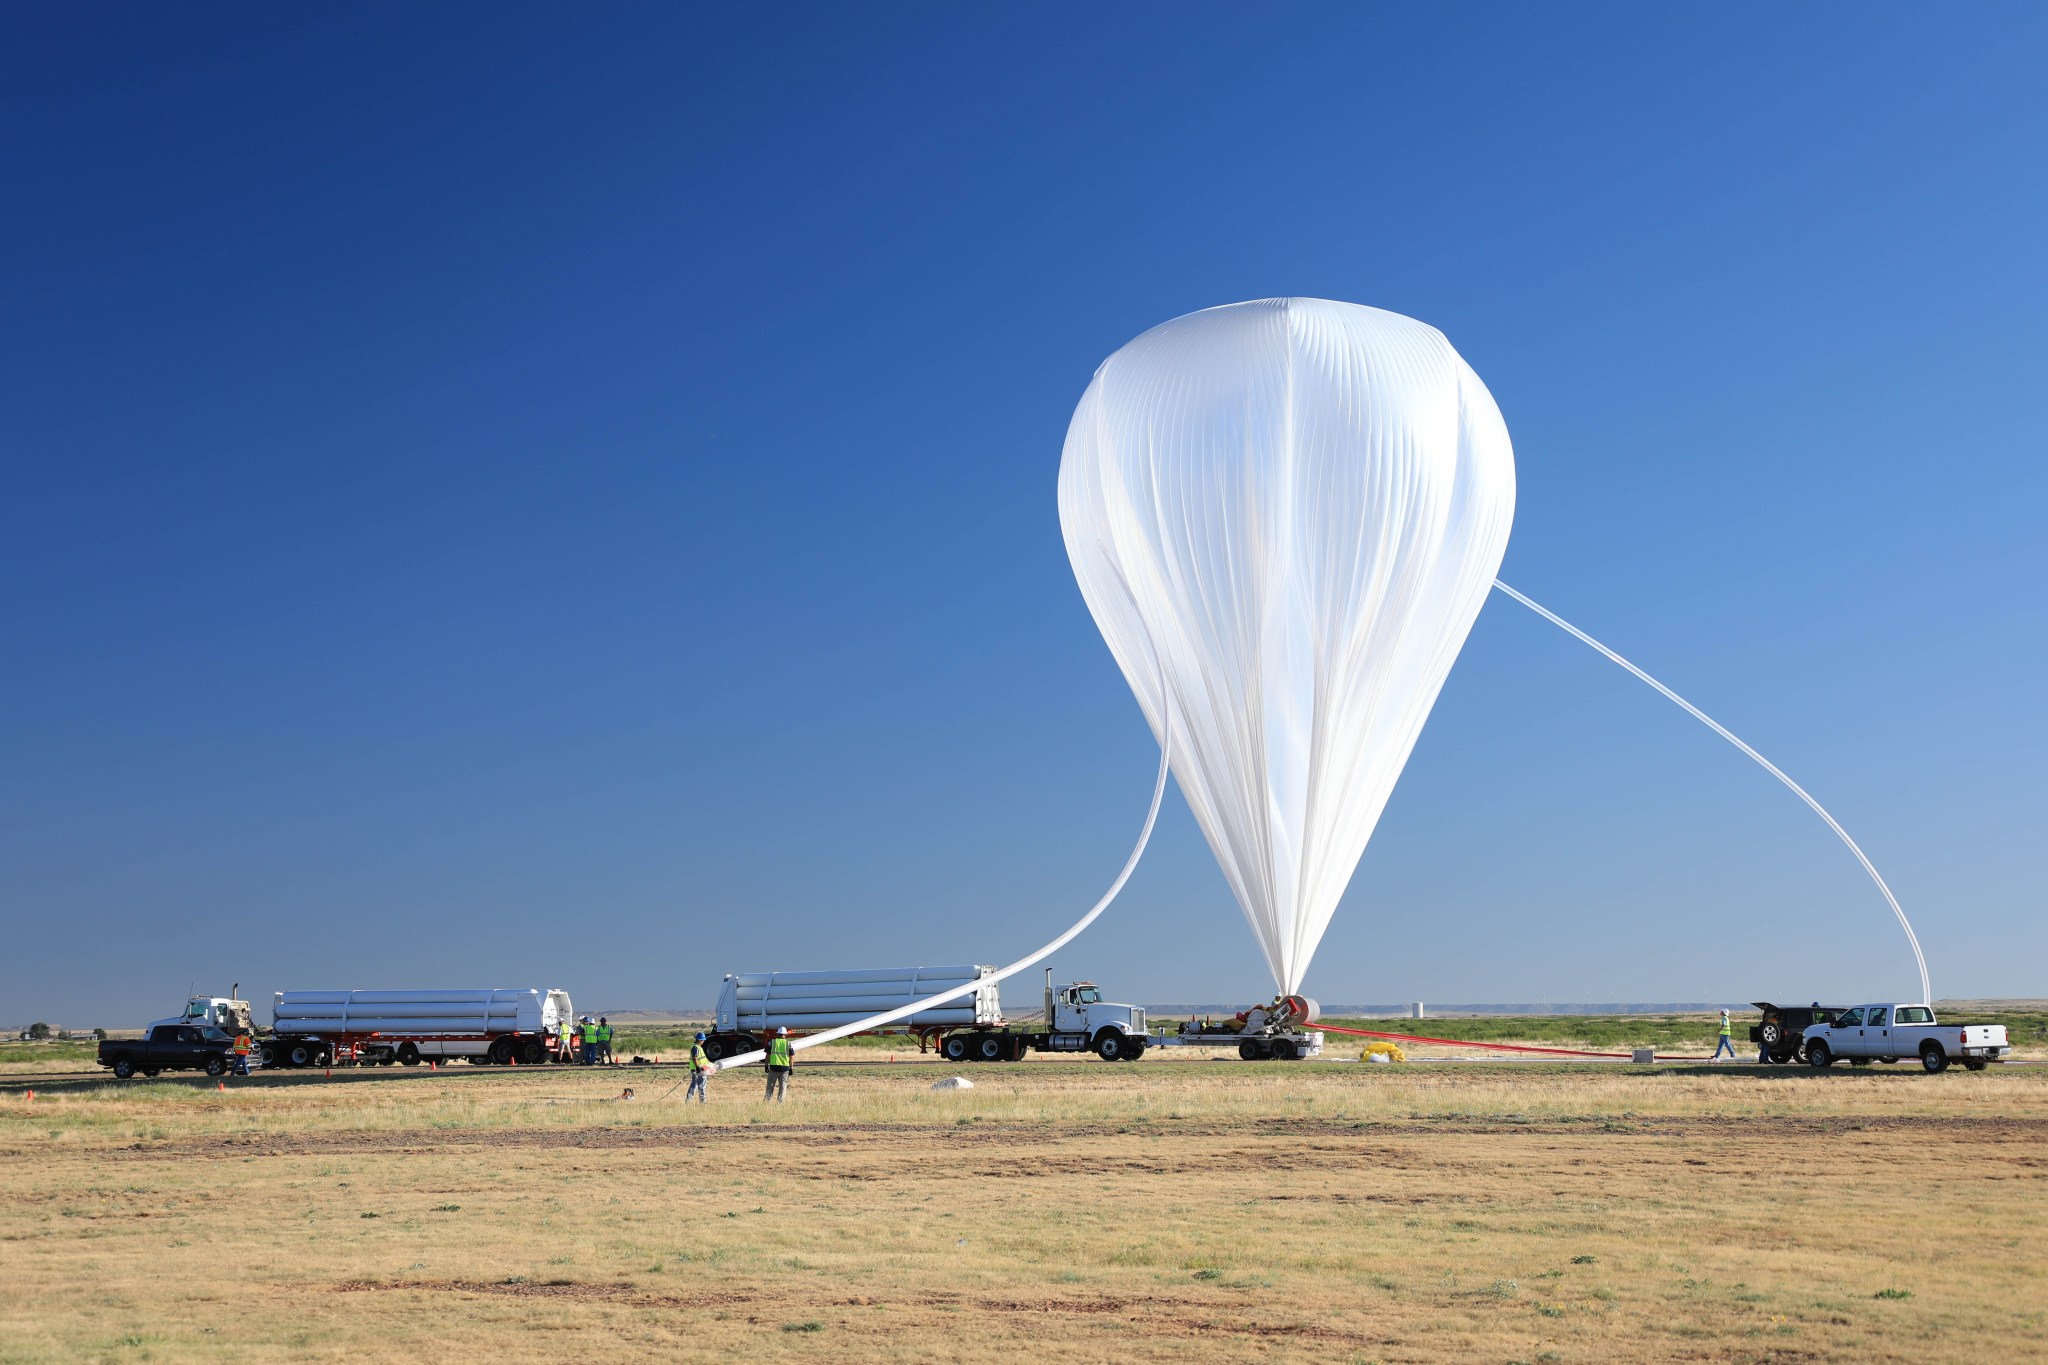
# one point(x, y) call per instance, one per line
point(496, 1026)
point(1276, 1031)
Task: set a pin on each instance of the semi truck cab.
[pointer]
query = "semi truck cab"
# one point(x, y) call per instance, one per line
point(1079, 1019)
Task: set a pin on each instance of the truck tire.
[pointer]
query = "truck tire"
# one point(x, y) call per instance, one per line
point(988, 1048)
point(1251, 1051)
point(268, 1053)
point(1933, 1058)
point(1817, 1054)
point(124, 1068)
point(1770, 1034)
point(299, 1054)
point(150, 1072)
point(954, 1048)
point(500, 1052)
point(532, 1052)
point(714, 1048)
point(1283, 1051)
point(1110, 1045)
point(1134, 1049)
point(216, 1067)
point(1974, 1066)
point(408, 1054)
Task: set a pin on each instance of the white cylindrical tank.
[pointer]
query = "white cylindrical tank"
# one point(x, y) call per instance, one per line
point(804, 1002)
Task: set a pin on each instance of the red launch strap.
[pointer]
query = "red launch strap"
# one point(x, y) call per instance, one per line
point(1494, 1047)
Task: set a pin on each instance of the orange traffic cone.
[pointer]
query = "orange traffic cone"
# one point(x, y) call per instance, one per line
point(31, 1094)
point(223, 1085)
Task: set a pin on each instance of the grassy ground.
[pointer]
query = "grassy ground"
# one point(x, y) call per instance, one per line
point(1168, 1210)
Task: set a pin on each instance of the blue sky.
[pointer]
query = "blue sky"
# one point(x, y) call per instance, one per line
point(503, 495)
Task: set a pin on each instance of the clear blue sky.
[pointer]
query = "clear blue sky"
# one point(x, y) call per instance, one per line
point(503, 494)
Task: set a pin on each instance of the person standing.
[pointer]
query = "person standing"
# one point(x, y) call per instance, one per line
point(701, 1067)
point(1727, 1043)
point(587, 1035)
point(780, 1061)
point(604, 1040)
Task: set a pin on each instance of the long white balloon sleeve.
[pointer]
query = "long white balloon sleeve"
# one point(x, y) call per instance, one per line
point(1308, 502)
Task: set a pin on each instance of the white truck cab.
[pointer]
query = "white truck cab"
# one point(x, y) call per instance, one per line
point(1886, 1032)
point(1078, 1019)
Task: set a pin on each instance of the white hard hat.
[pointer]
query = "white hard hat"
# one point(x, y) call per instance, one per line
point(783, 1031)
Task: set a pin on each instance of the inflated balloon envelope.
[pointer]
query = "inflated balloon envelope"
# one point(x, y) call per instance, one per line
point(1300, 505)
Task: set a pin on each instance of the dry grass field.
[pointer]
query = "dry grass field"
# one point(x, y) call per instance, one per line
point(1170, 1210)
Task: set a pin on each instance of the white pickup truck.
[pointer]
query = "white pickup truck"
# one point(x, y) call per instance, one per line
point(1886, 1033)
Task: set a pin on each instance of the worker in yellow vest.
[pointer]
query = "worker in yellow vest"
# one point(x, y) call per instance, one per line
point(586, 1038)
point(1727, 1043)
point(779, 1063)
point(604, 1040)
point(701, 1067)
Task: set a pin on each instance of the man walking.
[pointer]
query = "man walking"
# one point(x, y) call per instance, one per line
point(1727, 1043)
point(701, 1067)
point(779, 1062)
point(243, 1044)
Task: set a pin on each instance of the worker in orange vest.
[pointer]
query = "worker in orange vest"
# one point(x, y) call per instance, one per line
point(242, 1045)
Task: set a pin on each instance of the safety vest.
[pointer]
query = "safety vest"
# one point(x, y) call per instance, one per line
point(604, 1033)
point(586, 1033)
point(1726, 1028)
point(242, 1044)
point(778, 1052)
point(699, 1058)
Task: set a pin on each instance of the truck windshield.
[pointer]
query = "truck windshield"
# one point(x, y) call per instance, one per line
point(195, 1009)
point(1089, 995)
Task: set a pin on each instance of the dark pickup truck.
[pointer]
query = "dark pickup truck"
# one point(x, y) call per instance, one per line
point(171, 1047)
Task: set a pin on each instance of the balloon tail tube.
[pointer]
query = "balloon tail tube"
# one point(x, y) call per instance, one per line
point(1926, 993)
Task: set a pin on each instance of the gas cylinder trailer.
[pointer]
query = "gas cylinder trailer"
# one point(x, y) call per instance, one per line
point(489, 1026)
point(752, 1005)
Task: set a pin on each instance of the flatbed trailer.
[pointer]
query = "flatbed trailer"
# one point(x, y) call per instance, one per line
point(1277, 1031)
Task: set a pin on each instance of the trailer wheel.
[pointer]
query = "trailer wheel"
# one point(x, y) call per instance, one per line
point(124, 1068)
point(268, 1054)
point(501, 1051)
point(298, 1054)
point(1251, 1051)
point(1933, 1058)
point(1109, 1045)
point(408, 1054)
point(1817, 1055)
point(954, 1048)
point(532, 1052)
point(988, 1048)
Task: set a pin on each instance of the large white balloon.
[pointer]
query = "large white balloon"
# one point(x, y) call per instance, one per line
point(1300, 505)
